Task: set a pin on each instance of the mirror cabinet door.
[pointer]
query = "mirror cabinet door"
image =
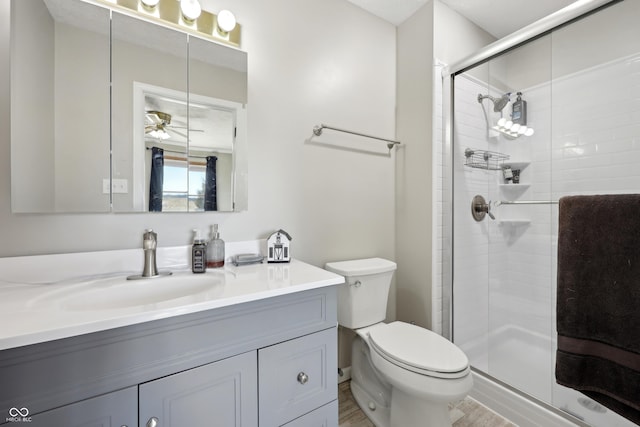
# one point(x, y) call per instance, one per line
point(149, 116)
point(217, 98)
point(59, 107)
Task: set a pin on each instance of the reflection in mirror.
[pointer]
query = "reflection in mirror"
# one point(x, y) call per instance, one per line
point(217, 100)
point(78, 143)
point(182, 129)
point(59, 106)
point(143, 54)
point(201, 181)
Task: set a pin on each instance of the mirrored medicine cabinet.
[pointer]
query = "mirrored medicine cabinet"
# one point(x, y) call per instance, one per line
point(113, 113)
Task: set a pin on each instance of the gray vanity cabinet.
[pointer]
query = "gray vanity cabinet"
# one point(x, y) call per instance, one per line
point(115, 409)
point(222, 393)
point(268, 363)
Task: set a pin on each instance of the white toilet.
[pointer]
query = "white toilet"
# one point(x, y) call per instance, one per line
point(402, 375)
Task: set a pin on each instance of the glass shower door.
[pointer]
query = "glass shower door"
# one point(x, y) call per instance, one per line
point(502, 293)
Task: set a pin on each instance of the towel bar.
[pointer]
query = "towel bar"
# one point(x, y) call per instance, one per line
point(526, 202)
point(317, 131)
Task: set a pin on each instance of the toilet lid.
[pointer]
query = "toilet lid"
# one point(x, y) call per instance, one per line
point(418, 349)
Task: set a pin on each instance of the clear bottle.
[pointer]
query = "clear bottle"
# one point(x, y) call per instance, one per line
point(198, 253)
point(215, 249)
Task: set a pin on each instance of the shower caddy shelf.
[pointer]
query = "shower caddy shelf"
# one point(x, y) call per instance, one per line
point(514, 186)
point(484, 159)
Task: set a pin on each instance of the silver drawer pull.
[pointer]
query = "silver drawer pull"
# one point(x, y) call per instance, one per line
point(303, 378)
point(153, 422)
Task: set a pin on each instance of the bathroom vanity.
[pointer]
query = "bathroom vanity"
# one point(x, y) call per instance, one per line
point(242, 346)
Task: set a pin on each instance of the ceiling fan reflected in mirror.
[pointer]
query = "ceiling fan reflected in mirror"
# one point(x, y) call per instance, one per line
point(158, 123)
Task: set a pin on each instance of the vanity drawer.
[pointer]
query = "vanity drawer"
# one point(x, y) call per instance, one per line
point(297, 376)
point(326, 416)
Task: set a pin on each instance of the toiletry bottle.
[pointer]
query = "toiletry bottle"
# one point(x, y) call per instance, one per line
point(198, 254)
point(215, 251)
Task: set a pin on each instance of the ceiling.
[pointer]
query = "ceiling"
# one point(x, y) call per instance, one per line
point(497, 17)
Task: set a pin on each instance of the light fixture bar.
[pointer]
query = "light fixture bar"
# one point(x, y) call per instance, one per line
point(169, 12)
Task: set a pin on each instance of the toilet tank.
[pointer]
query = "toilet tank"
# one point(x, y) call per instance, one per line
point(362, 299)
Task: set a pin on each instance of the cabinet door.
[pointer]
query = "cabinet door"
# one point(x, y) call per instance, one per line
point(117, 409)
point(222, 394)
point(297, 376)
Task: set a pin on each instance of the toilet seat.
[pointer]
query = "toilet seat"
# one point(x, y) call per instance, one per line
point(418, 350)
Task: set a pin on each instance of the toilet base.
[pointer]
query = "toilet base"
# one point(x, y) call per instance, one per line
point(407, 410)
point(378, 414)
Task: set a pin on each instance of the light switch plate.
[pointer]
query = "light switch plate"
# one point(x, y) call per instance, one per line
point(120, 186)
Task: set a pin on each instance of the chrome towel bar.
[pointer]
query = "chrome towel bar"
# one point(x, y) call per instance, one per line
point(317, 131)
point(526, 202)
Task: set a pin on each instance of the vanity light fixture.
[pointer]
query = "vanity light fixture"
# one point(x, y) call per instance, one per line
point(150, 4)
point(225, 22)
point(185, 15)
point(191, 10)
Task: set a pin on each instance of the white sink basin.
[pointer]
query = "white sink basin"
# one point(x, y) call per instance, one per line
point(117, 293)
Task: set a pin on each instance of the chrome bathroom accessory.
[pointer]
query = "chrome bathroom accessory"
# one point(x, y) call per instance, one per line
point(498, 103)
point(480, 208)
point(150, 269)
point(526, 202)
point(483, 159)
point(317, 131)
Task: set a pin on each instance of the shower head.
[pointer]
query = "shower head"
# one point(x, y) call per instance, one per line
point(499, 103)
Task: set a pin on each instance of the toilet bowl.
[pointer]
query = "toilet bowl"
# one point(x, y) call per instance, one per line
point(402, 375)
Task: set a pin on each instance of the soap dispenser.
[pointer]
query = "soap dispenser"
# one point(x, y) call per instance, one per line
point(215, 251)
point(198, 253)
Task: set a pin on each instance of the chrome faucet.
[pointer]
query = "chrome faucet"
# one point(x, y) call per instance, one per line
point(150, 269)
point(149, 244)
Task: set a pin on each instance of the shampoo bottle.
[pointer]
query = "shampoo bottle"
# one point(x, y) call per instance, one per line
point(198, 253)
point(215, 251)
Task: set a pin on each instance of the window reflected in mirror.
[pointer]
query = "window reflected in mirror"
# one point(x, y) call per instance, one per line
point(188, 158)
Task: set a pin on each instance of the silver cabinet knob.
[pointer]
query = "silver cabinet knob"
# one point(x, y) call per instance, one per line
point(153, 422)
point(303, 378)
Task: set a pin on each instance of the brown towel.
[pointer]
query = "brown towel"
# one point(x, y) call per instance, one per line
point(598, 307)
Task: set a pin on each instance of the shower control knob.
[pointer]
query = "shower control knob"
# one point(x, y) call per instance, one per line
point(480, 208)
point(303, 378)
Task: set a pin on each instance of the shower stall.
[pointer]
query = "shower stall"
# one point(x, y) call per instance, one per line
point(552, 111)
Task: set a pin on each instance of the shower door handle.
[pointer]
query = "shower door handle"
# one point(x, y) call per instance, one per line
point(480, 208)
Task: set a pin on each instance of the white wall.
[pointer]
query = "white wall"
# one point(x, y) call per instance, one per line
point(309, 62)
point(434, 32)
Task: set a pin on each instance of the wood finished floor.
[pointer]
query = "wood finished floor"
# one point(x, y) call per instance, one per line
point(467, 413)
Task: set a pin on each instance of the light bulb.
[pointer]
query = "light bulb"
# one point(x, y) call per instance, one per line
point(226, 21)
point(515, 127)
point(190, 9)
point(522, 130)
point(529, 132)
point(150, 3)
point(508, 124)
point(502, 121)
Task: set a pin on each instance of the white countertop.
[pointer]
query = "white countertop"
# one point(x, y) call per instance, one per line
point(37, 311)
